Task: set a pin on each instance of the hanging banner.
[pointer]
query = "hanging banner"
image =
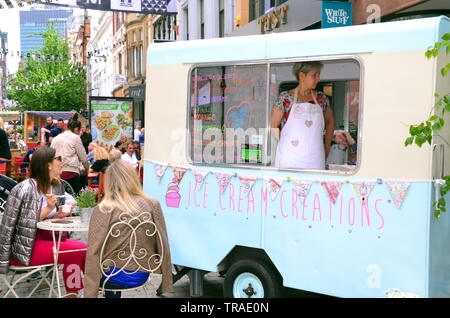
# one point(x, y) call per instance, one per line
point(274, 186)
point(248, 183)
point(178, 174)
point(200, 176)
point(302, 187)
point(364, 189)
point(223, 179)
point(333, 188)
point(160, 170)
point(397, 191)
point(138, 6)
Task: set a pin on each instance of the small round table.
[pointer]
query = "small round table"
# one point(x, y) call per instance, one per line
point(70, 224)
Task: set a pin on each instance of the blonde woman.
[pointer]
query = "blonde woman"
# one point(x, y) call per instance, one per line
point(101, 160)
point(4, 143)
point(123, 193)
point(114, 155)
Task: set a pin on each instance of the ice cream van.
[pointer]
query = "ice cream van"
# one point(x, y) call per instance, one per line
point(363, 227)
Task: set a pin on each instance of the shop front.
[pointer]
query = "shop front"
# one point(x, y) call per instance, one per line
point(138, 94)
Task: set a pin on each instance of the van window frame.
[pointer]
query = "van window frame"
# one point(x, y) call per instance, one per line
point(268, 63)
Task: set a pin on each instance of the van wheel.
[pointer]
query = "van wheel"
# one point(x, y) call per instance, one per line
point(251, 279)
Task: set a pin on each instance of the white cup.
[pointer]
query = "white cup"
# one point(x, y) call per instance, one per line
point(66, 208)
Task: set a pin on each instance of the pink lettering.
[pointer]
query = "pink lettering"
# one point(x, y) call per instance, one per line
point(294, 203)
point(303, 211)
point(340, 218)
point(365, 212)
point(281, 204)
point(231, 202)
point(195, 195)
point(252, 201)
point(378, 212)
point(264, 198)
point(240, 199)
point(189, 196)
point(317, 207)
point(220, 202)
point(204, 195)
point(352, 203)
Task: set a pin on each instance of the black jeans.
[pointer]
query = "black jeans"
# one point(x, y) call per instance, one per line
point(111, 294)
point(76, 184)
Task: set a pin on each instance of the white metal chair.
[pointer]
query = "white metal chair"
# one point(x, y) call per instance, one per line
point(138, 256)
point(19, 275)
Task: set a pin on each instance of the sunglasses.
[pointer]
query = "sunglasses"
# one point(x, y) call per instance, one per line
point(59, 158)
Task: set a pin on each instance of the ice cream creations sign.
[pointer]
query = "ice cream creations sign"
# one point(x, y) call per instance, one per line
point(336, 14)
point(111, 120)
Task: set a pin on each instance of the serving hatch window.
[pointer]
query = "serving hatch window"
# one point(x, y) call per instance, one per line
point(232, 114)
point(228, 114)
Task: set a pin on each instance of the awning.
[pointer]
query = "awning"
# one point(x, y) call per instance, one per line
point(9, 116)
point(55, 115)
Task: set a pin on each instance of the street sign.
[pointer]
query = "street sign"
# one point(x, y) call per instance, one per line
point(336, 14)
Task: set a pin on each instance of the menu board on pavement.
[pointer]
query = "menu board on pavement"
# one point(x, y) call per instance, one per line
point(111, 119)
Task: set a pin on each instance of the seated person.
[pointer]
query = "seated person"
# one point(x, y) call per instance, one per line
point(101, 160)
point(123, 193)
point(37, 198)
point(130, 157)
point(137, 149)
point(28, 156)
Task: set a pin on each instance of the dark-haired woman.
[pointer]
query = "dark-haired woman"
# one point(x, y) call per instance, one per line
point(31, 201)
point(69, 145)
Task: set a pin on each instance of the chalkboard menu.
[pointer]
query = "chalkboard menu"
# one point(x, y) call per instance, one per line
point(228, 114)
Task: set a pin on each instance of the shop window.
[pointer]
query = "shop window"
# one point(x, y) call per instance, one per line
point(230, 113)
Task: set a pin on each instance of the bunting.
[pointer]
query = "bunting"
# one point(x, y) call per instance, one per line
point(332, 188)
point(178, 173)
point(160, 170)
point(200, 176)
point(397, 190)
point(302, 187)
point(223, 179)
point(364, 189)
point(274, 185)
point(248, 183)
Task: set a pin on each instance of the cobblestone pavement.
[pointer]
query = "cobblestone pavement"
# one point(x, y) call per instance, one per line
point(212, 286)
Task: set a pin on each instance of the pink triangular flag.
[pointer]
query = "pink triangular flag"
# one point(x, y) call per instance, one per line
point(302, 187)
point(160, 170)
point(178, 173)
point(333, 188)
point(398, 191)
point(274, 186)
point(247, 182)
point(223, 179)
point(200, 176)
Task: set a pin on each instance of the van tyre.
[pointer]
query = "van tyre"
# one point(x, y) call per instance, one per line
point(251, 279)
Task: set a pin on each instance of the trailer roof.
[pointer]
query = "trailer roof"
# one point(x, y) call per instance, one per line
point(417, 34)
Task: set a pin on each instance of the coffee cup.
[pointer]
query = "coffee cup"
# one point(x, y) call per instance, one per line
point(66, 208)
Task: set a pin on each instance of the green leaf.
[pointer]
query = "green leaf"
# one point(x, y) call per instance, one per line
point(444, 71)
point(409, 141)
point(436, 126)
point(434, 117)
point(446, 37)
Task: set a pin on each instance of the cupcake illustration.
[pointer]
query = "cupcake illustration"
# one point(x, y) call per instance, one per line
point(172, 195)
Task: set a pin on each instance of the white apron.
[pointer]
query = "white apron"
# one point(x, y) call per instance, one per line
point(301, 139)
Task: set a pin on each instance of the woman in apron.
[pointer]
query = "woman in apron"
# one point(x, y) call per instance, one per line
point(303, 115)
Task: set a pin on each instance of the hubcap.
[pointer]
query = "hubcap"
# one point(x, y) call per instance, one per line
point(247, 285)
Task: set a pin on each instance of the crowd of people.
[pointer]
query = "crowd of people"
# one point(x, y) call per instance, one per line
point(66, 156)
